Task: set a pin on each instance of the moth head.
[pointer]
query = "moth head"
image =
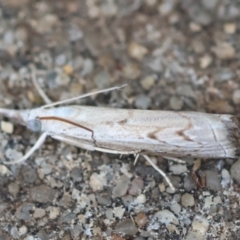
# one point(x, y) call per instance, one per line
point(34, 125)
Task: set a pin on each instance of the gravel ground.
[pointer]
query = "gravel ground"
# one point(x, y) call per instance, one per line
point(179, 55)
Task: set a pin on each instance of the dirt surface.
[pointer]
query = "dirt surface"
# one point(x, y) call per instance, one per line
point(179, 55)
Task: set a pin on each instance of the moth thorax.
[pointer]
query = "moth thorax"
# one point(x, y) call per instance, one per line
point(34, 125)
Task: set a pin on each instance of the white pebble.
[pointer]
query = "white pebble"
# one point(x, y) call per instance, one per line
point(22, 230)
point(178, 169)
point(4, 170)
point(236, 96)
point(140, 198)
point(224, 51)
point(7, 127)
point(97, 182)
point(200, 224)
point(137, 51)
point(205, 61)
point(119, 211)
point(230, 28)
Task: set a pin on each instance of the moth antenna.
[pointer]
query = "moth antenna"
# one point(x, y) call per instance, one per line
point(85, 95)
point(40, 91)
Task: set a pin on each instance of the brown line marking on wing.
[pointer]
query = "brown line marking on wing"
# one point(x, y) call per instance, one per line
point(110, 123)
point(153, 135)
point(181, 132)
point(69, 122)
point(121, 122)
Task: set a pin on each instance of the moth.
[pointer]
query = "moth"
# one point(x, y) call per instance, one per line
point(131, 131)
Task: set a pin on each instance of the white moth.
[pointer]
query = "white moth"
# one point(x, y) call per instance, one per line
point(128, 131)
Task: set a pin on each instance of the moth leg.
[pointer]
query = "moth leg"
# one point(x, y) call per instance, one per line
point(174, 159)
point(114, 151)
point(160, 171)
point(74, 142)
point(88, 146)
point(37, 145)
point(135, 160)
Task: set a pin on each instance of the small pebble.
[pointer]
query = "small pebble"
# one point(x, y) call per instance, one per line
point(165, 217)
point(236, 96)
point(116, 237)
point(185, 90)
point(162, 187)
point(223, 74)
point(62, 79)
point(192, 235)
point(75, 33)
point(30, 175)
point(109, 9)
point(127, 200)
point(178, 169)
point(87, 67)
point(42, 194)
point(22, 230)
point(156, 65)
point(188, 183)
point(194, 27)
point(97, 182)
point(230, 28)
point(76, 174)
point(53, 212)
point(104, 199)
point(46, 168)
point(176, 208)
point(12, 154)
point(221, 106)
point(235, 171)
point(141, 219)
point(14, 232)
point(136, 186)
point(205, 61)
point(67, 69)
point(148, 82)
point(29, 238)
point(126, 227)
point(166, 7)
point(61, 59)
point(137, 51)
point(102, 79)
point(39, 213)
point(224, 51)
point(187, 200)
point(226, 178)
point(4, 170)
point(140, 199)
point(121, 187)
point(176, 103)
point(24, 212)
point(212, 180)
point(200, 224)
point(7, 127)
point(119, 212)
point(13, 188)
point(131, 71)
point(142, 102)
point(210, 5)
point(151, 3)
